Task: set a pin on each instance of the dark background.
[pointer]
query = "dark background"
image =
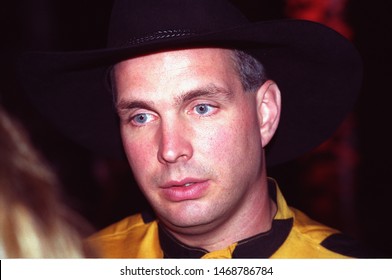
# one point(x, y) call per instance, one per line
point(349, 185)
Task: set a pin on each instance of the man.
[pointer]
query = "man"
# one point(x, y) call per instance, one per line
point(204, 100)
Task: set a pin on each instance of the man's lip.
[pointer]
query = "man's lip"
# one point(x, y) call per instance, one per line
point(176, 190)
point(182, 182)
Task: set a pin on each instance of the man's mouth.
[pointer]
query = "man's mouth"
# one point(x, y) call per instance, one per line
point(188, 189)
point(182, 183)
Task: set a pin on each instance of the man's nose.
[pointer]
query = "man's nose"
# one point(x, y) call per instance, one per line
point(174, 144)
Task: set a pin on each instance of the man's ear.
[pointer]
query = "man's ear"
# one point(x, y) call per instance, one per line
point(268, 107)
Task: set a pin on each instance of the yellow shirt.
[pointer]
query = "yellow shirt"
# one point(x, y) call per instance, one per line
point(292, 235)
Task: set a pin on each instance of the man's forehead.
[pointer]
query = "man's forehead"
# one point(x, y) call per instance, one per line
point(213, 65)
point(202, 71)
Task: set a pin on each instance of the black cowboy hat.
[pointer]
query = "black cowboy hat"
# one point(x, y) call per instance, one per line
point(318, 71)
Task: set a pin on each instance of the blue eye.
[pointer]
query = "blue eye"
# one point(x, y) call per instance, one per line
point(203, 109)
point(142, 118)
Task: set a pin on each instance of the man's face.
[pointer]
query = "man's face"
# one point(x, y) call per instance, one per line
point(191, 135)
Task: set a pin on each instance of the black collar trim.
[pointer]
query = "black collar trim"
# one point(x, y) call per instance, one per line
point(262, 245)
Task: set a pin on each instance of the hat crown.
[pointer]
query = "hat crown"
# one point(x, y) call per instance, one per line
point(135, 21)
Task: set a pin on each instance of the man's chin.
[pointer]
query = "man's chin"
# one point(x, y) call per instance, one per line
point(190, 225)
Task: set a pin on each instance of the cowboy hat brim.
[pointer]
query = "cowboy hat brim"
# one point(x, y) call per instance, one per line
point(318, 71)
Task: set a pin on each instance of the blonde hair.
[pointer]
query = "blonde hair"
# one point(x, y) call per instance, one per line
point(34, 222)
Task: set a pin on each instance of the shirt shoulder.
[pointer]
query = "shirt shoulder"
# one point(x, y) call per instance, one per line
point(131, 237)
point(311, 239)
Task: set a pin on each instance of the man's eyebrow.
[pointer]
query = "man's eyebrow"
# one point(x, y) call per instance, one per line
point(207, 91)
point(133, 104)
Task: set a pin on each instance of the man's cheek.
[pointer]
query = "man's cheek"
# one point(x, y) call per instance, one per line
point(140, 153)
